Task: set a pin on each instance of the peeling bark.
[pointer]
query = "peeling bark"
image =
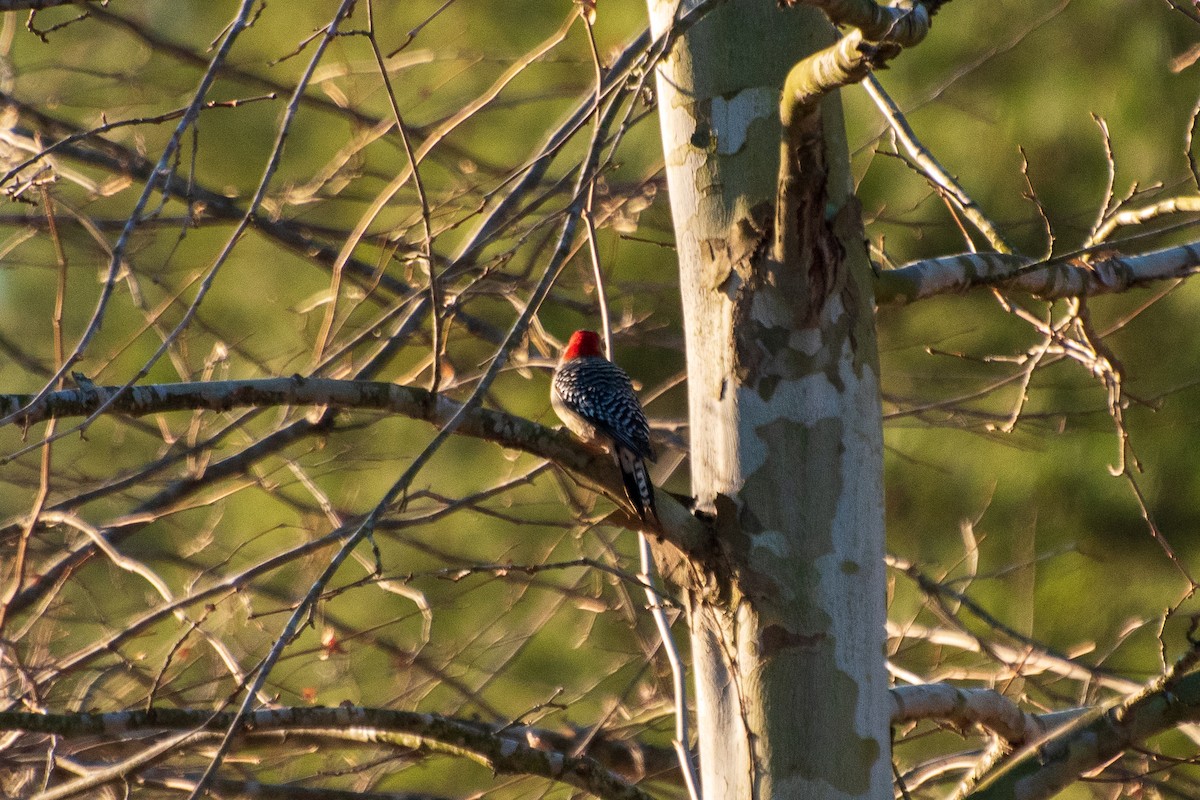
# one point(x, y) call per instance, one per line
point(786, 441)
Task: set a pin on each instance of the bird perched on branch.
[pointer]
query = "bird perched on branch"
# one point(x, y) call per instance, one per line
point(595, 399)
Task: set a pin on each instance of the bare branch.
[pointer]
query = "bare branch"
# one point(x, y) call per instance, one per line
point(841, 64)
point(879, 34)
point(162, 168)
point(929, 165)
point(122, 769)
point(1029, 659)
point(1046, 767)
point(89, 147)
point(1048, 280)
point(965, 707)
point(510, 751)
point(1188, 204)
point(802, 234)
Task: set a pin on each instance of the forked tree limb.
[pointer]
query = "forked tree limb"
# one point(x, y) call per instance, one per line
point(803, 220)
point(878, 35)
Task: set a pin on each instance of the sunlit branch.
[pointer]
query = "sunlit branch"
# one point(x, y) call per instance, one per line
point(440, 133)
point(171, 495)
point(435, 298)
point(212, 594)
point(639, 56)
point(183, 54)
point(1137, 216)
point(121, 769)
point(86, 146)
point(1045, 767)
point(160, 586)
point(878, 35)
point(848, 61)
point(563, 247)
point(1050, 281)
point(645, 557)
point(163, 168)
point(938, 768)
point(799, 230)
point(501, 748)
point(1025, 656)
point(509, 752)
point(964, 707)
point(504, 429)
point(929, 165)
point(1026, 660)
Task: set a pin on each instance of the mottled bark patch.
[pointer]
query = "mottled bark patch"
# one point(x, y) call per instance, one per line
point(777, 637)
point(734, 265)
point(793, 490)
point(817, 721)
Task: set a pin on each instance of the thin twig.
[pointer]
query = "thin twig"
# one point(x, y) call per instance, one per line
point(936, 173)
point(435, 300)
point(646, 560)
point(162, 170)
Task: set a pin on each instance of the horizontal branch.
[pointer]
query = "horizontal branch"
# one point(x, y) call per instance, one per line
point(1051, 281)
point(965, 707)
point(589, 468)
point(33, 127)
point(530, 751)
point(508, 751)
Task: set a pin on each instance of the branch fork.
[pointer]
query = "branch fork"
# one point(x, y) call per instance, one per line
point(878, 35)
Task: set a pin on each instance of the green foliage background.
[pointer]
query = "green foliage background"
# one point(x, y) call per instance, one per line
point(1062, 550)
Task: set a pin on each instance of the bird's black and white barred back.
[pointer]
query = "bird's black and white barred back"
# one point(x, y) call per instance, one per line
point(595, 399)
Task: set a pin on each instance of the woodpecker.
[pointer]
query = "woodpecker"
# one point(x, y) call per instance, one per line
point(595, 399)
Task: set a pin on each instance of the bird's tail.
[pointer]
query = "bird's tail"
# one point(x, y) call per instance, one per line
point(637, 484)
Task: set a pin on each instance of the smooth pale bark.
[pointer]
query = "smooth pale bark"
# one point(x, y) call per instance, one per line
point(1107, 274)
point(787, 618)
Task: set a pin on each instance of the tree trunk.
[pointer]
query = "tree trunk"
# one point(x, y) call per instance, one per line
point(788, 622)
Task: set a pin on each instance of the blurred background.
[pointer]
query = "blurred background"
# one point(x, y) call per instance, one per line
point(1022, 514)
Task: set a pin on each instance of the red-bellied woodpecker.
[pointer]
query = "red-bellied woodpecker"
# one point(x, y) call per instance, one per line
point(595, 399)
